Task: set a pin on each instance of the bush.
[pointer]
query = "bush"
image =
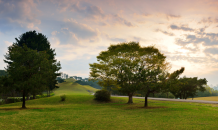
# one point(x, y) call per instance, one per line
point(102, 95)
point(63, 97)
point(14, 99)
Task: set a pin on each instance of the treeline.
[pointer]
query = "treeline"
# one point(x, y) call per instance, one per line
point(93, 84)
point(208, 92)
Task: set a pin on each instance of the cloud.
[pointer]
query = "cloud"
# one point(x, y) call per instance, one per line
point(184, 28)
point(81, 30)
point(165, 32)
point(208, 39)
point(103, 24)
point(22, 12)
point(171, 16)
point(87, 10)
point(211, 50)
point(114, 39)
point(209, 20)
point(121, 20)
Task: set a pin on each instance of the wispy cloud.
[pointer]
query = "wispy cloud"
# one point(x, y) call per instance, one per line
point(184, 28)
point(165, 32)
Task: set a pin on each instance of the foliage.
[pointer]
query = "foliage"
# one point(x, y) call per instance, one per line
point(102, 95)
point(208, 92)
point(128, 67)
point(188, 87)
point(30, 70)
point(60, 80)
point(63, 97)
point(40, 43)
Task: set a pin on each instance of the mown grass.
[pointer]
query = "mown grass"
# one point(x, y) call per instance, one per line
point(212, 98)
point(80, 111)
point(71, 88)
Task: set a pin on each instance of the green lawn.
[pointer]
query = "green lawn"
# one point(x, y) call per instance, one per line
point(211, 98)
point(80, 111)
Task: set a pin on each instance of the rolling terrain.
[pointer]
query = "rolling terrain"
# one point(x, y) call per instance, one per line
point(71, 88)
point(81, 112)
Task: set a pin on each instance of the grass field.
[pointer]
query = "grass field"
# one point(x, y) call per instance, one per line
point(80, 111)
point(212, 98)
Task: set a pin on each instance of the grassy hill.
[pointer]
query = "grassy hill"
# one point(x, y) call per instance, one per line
point(71, 88)
point(81, 112)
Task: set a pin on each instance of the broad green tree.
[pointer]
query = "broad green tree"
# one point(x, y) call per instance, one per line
point(122, 66)
point(151, 72)
point(29, 69)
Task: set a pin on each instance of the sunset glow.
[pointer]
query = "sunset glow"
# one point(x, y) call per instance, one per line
point(185, 31)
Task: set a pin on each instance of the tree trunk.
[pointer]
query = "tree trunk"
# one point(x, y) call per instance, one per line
point(47, 93)
point(153, 94)
point(146, 99)
point(130, 99)
point(23, 105)
point(167, 94)
point(34, 96)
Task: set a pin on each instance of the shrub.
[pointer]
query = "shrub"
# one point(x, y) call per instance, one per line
point(63, 97)
point(13, 99)
point(102, 95)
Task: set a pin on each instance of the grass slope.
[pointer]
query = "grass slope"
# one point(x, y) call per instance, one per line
point(71, 88)
point(81, 112)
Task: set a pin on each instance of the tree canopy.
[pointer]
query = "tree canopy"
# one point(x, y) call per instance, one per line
point(126, 66)
point(38, 42)
point(30, 71)
point(188, 87)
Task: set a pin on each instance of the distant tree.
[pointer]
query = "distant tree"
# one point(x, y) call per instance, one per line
point(60, 80)
point(208, 92)
point(30, 71)
point(188, 87)
point(93, 84)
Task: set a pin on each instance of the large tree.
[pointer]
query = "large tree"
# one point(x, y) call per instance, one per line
point(38, 42)
point(121, 65)
point(30, 69)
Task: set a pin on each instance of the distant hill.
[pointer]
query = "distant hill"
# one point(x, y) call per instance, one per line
point(69, 87)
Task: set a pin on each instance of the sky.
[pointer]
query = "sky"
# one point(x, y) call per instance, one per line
point(185, 31)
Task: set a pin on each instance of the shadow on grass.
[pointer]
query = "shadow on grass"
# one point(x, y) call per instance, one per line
point(12, 109)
